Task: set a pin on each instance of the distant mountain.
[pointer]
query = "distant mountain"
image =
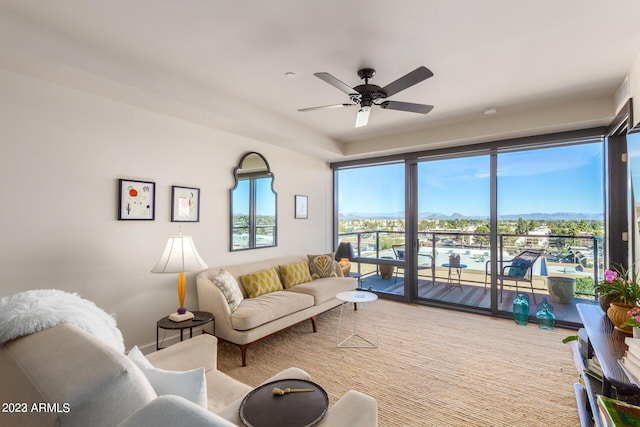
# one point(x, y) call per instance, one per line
point(567, 216)
point(360, 215)
point(556, 216)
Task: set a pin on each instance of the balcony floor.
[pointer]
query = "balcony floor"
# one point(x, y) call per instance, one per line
point(473, 294)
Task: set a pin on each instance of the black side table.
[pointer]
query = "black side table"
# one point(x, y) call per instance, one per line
point(200, 318)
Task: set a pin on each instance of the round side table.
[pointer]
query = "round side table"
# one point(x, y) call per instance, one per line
point(364, 299)
point(200, 318)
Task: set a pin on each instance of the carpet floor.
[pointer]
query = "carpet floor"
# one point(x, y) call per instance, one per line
point(433, 367)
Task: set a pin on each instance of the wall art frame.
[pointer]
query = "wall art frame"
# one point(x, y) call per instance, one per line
point(137, 200)
point(185, 204)
point(302, 206)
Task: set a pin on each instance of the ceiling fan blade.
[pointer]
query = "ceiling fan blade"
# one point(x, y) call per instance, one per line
point(336, 83)
point(363, 117)
point(414, 77)
point(407, 106)
point(325, 107)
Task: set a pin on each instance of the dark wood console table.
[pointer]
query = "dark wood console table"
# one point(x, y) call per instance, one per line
point(608, 346)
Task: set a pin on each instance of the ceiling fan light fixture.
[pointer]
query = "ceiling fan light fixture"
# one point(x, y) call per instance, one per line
point(362, 118)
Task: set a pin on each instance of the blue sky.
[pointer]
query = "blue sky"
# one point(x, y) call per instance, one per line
point(264, 195)
point(633, 144)
point(564, 179)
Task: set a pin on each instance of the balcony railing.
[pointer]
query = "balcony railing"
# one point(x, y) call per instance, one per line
point(580, 257)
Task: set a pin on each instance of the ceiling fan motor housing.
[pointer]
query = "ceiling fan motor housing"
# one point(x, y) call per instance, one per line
point(368, 94)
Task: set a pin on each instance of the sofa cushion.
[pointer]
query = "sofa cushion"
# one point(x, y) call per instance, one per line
point(294, 274)
point(323, 290)
point(322, 266)
point(191, 385)
point(229, 287)
point(261, 282)
point(253, 312)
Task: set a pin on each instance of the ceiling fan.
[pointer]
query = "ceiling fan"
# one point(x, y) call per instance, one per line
point(368, 95)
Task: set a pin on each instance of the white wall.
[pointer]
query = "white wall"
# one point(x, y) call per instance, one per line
point(634, 89)
point(61, 153)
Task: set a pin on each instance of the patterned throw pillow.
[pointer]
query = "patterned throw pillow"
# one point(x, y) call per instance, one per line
point(229, 287)
point(262, 282)
point(518, 267)
point(294, 274)
point(321, 266)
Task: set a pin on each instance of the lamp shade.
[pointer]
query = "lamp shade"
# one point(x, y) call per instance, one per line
point(345, 250)
point(180, 255)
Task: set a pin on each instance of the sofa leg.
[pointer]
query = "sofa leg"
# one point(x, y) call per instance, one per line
point(243, 351)
point(313, 324)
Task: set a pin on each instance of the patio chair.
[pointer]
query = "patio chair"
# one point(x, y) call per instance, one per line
point(519, 269)
point(425, 261)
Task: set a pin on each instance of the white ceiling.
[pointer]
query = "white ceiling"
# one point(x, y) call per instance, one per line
point(223, 63)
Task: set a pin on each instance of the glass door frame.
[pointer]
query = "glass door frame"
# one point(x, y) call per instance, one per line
point(492, 149)
point(412, 219)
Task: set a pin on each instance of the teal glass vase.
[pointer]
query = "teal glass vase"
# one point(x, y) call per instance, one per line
point(546, 318)
point(521, 309)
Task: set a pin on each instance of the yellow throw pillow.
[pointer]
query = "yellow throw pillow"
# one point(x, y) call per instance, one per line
point(294, 274)
point(262, 282)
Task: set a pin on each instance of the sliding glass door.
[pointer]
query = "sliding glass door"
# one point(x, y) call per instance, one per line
point(371, 216)
point(551, 208)
point(453, 210)
point(633, 146)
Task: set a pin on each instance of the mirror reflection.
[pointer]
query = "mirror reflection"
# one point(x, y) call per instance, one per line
point(253, 204)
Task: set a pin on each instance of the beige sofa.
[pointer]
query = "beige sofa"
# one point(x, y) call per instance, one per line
point(256, 318)
point(63, 376)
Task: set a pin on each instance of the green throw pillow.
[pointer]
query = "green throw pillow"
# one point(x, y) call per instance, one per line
point(294, 274)
point(262, 282)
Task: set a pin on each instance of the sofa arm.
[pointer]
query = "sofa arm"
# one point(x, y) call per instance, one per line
point(197, 352)
point(171, 411)
point(211, 299)
point(289, 373)
point(354, 409)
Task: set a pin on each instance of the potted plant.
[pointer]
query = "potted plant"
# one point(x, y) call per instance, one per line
point(633, 321)
point(622, 286)
point(454, 260)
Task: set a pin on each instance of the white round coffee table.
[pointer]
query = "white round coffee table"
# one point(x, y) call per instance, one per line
point(355, 339)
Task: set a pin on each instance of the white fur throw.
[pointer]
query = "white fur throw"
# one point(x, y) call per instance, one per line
point(32, 311)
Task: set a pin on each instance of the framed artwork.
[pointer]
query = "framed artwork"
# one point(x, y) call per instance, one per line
point(185, 204)
point(137, 200)
point(302, 207)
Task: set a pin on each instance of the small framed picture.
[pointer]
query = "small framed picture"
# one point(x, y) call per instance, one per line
point(137, 200)
point(302, 207)
point(185, 204)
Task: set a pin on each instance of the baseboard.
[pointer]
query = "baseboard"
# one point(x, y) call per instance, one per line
point(167, 338)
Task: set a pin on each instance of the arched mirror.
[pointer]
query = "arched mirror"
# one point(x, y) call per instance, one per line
point(254, 204)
